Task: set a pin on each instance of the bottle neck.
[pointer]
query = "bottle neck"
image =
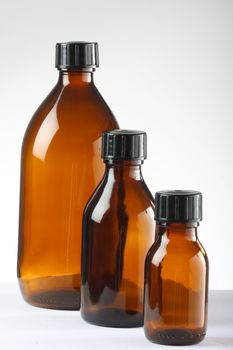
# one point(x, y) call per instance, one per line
point(123, 170)
point(79, 77)
point(178, 230)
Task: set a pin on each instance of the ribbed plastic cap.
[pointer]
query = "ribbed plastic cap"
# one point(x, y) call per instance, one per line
point(77, 55)
point(178, 206)
point(124, 145)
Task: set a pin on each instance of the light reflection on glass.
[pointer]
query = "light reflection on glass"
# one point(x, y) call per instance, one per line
point(45, 135)
point(100, 210)
point(162, 251)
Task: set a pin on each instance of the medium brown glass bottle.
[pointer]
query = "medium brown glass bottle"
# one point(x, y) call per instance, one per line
point(118, 229)
point(176, 277)
point(60, 168)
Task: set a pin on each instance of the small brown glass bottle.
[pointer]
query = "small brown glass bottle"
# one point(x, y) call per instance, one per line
point(176, 272)
point(118, 229)
point(60, 168)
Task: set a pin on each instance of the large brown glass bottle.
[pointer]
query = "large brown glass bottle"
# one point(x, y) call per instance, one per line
point(60, 168)
point(118, 229)
point(176, 278)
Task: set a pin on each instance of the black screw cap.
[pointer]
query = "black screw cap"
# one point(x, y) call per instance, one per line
point(124, 145)
point(178, 206)
point(76, 55)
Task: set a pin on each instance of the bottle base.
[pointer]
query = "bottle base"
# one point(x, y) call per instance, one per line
point(57, 300)
point(176, 336)
point(59, 292)
point(114, 318)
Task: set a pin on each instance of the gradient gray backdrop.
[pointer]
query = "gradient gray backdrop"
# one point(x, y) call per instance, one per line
point(165, 67)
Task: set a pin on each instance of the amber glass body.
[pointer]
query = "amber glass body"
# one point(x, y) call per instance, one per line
point(60, 168)
point(118, 229)
point(176, 286)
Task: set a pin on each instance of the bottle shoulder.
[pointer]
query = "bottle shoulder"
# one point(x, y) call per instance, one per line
point(109, 196)
point(203, 251)
point(76, 115)
point(45, 107)
point(165, 251)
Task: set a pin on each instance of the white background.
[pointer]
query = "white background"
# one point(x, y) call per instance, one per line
point(165, 67)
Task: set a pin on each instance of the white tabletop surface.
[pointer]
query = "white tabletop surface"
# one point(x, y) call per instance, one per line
point(25, 327)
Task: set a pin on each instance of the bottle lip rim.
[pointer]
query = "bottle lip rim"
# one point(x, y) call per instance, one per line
point(123, 161)
point(64, 43)
point(163, 222)
point(125, 132)
point(73, 69)
point(178, 193)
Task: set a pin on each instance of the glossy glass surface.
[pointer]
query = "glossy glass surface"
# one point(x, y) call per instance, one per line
point(118, 229)
point(60, 168)
point(176, 287)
